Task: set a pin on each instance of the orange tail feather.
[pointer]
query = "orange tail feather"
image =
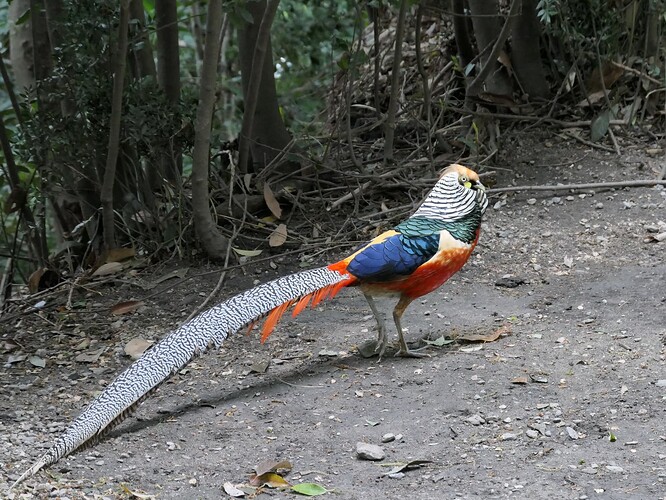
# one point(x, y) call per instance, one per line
point(314, 298)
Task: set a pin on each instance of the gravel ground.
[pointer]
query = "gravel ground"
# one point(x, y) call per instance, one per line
point(568, 402)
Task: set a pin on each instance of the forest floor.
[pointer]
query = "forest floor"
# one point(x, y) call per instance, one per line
point(568, 402)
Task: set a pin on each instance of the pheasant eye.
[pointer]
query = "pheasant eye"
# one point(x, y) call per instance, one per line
point(463, 179)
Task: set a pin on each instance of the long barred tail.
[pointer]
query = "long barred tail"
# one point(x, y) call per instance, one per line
point(172, 353)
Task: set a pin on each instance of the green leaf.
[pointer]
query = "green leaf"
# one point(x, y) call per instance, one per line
point(599, 126)
point(309, 489)
point(247, 253)
point(439, 342)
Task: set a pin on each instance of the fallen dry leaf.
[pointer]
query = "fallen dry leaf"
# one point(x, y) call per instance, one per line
point(271, 201)
point(136, 347)
point(272, 466)
point(119, 254)
point(278, 236)
point(126, 307)
point(108, 268)
point(520, 380)
point(488, 337)
point(269, 479)
point(232, 491)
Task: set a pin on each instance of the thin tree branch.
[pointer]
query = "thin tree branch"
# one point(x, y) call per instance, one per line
point(424, 78)
point(106, 194)
point(592, 185)
point(10, 91)
point(389, 126)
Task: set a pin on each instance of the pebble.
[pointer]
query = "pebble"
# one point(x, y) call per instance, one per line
point(367, 451)
point(509, 436)
point(388, 437)
point(589, 470)
point(661, 382)
point(572, 433)
point(614, 468)
point(531, 433)
point(476, 420)
point(193, 481)
point(599, 206)
point(531, 201)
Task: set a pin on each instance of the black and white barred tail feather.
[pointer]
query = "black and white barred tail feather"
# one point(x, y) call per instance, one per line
point(172, 353)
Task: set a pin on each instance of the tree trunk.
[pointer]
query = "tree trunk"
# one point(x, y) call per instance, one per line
point(526, 51)
point(168, 76)
point(213, 242)
point(20, 45)
point(106, 194)
point(486, 22)
point(143, 51)
point(461, 31)
point(268, 136)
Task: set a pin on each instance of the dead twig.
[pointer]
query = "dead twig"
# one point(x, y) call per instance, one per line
point(586, 142)
point(591, 185)
point(636, 72)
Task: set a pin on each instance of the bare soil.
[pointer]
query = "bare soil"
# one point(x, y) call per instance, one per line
point(569, 402)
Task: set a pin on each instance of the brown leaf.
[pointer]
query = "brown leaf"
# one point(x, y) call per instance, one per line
point(609, 74)
point(126, 307)
point(271, 201)
point(136, 347)
point(278, 236)
point(488, 337)
point(33, 280)
point(272, 466)
point(42, 279)
point(119, 254)
point(520, 380)
point(108, 268)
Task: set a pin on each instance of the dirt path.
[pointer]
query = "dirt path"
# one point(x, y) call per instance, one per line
point(527, 416)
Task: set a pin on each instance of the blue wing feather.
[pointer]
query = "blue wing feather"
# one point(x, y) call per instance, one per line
point(395, 257)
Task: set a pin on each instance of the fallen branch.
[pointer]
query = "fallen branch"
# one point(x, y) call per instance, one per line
point(592, 185)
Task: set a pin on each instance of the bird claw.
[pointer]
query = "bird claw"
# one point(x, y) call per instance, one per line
point(409, 353)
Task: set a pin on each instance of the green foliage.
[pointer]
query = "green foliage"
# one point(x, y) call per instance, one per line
point(309, 39)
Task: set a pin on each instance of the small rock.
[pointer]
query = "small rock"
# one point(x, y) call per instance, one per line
point(193, 481)
point(531, 433)
point(510, 282)
point(572, 433)
point(589, 470)
point(614, 468)
point(661, 382)
point(396, 475)
point(388, 437)
point(531, 201)
point(366, 451)
point(508, 436)
point(599, 206)
point(476, 420)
